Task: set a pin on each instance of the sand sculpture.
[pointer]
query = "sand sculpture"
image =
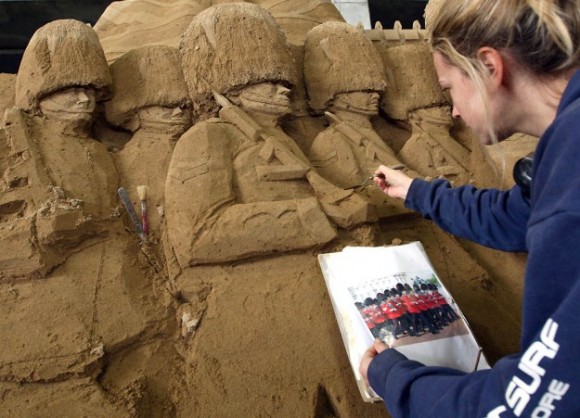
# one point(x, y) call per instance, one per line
point(130, 24)
point(238, 188)
point(151, 22)
point(296, 18)
point(441, 155)
point(55, 204)
point(6, 91)
point(414, 96)
point(242, 168)
point(60, 223)
point(235, 321)
point(431, 10)
point(345, 80)
point(151, 101)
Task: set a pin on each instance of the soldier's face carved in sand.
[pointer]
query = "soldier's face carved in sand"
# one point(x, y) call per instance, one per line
point(440, 116)
point(361, 102)
point(161, 117)
point(72, 104)
point(269, 98)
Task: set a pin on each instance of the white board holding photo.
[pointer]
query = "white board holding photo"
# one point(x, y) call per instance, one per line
point(393, 293)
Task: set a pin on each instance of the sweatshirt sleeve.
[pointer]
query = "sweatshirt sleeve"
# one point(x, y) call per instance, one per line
point(490, 217)
point(538, 382)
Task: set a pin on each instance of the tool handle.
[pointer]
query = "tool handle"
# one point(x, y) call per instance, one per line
point(144, 217)
point(131, 211)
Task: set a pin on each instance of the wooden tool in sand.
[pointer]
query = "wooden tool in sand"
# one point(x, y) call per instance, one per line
point(131, 211)
point(142, 191)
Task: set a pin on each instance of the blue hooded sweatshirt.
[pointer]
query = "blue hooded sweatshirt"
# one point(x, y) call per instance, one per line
point(544, 379)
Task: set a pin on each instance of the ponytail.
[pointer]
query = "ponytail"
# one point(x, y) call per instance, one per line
point(542, 35)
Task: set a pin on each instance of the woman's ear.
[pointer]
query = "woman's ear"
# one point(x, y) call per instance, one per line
point(494, 62)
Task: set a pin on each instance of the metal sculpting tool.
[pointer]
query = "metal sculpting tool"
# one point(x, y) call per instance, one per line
point(369, 180)
point(131, 211)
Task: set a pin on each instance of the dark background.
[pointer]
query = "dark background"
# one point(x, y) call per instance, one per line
point(19, 19)
point(388, 11)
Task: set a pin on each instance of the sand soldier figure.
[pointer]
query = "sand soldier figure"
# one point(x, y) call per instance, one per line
point(414, 96)
point(345, 79)
point(60, 182)
point(237, 185)
point(58, 221)
point(442, 155)
point(151, 101)
point(245, 215)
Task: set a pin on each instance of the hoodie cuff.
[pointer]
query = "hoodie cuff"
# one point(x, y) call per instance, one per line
point(417, 190)
point(380, 368)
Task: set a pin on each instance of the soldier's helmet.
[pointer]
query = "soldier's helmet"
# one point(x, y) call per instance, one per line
point(339, 58)
point(61, 54)
point(143, 77)
point(232, 45)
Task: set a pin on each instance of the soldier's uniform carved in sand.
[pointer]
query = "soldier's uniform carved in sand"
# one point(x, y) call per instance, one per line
point(57, 221)
point(150, 100)
point(238, 186)
point(345, 80)
point(413, 94)
point(60, 182)
point(432, 150)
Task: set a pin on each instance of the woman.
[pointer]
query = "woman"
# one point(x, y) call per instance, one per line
point(510, 66)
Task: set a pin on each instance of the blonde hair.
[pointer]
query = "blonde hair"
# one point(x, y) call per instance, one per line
point(540, 35)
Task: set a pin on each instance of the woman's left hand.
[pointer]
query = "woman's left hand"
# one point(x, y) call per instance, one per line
point(377, 347)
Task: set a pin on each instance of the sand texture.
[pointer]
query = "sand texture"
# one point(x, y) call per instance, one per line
point(220, 110)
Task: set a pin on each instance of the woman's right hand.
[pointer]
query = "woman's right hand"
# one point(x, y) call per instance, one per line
point(393, 183)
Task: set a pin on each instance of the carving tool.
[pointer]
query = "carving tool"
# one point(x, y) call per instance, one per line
point(131, 211)
point(142, 191)
point(369, 180)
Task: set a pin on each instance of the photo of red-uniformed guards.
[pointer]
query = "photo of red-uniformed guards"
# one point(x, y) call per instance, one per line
point(408, 313)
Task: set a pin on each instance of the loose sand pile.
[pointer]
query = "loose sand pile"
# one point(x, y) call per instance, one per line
point(95, 323)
